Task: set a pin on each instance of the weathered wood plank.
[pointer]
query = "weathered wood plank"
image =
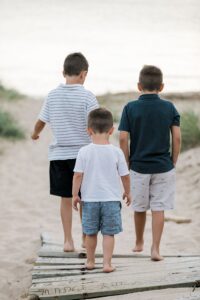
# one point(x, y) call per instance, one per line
point(57, 251)
point(136, 266)
point(166, 294)
point(169, 265)
point(89, 288)
point(46, 239)
point(150, 267)
point(63, 267)
point(120, 260)
point(61, 275)
point(102, 277)
point(59, 261)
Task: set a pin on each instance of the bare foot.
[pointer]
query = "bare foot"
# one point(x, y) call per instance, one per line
point(155, 256)
point(108, 268)
point(138, 247)
point(90, 265)
point(69, 246)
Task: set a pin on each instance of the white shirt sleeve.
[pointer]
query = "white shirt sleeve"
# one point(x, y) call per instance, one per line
point(122, 164)
point(44, 113)
point(92, 104)
point(79, 166)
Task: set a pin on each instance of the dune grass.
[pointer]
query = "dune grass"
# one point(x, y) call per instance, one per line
point(190, 129)
point(9, 128)
point(9, 94)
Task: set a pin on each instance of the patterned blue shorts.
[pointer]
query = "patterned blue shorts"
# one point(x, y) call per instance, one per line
point(101, 216)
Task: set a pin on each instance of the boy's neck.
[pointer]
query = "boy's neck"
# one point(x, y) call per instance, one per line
point(100, 138)
point(149, 92)
point(73, 80)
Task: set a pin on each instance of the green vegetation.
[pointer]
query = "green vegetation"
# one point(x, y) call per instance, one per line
point(190, 128)
point(116, 102)
point(9, 94)
point(190, 121)
point(9, 128)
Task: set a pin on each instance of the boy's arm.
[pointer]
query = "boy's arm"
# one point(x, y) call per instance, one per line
point(176, 143)
point(127, 190)
point(123, 141)
point(37, 129)
point(77, 180)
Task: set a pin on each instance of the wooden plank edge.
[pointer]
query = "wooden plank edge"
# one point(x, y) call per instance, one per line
point(80, 296)
point(46, 253)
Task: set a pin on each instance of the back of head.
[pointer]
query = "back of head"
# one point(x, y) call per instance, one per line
point(74, 64)
point(150, 78)
point(100, 120)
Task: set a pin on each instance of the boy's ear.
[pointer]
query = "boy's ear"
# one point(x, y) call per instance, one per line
point(63, 72)
point(139, 87)
point(83, 74)
point(89, 131)
point(161, 87)
point(111, 130)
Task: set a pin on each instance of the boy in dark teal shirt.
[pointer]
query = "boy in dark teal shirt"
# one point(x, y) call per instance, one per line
point(149, 121)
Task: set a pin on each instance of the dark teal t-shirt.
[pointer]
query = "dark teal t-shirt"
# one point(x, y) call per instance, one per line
point(148, 120)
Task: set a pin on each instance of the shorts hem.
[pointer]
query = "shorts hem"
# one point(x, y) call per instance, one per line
point(161, 209)
point(111, 233)
point(60, 194)
point(93, 233)
point(140, 210)
point(152, 209)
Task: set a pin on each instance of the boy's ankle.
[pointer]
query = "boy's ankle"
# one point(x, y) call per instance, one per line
point(108, 268)
point(138, 246)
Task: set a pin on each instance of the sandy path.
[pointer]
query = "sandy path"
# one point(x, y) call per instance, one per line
point(27, 209)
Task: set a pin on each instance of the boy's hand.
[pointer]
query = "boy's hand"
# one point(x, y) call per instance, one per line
point(75, 201)
point(34, 136)
point(128, 198)
point(37, 129)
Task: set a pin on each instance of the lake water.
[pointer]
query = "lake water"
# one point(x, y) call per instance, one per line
point(117, 36)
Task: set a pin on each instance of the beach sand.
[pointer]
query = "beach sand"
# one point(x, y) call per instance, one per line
point(27, 209)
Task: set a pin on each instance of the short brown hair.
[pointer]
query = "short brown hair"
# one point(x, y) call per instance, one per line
point(150, 78)
point(100, 120)
point(75, 63)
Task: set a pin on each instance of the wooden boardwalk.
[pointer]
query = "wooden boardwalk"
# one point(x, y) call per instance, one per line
point(60, 275)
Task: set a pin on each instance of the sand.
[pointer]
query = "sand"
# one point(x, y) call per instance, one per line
point(27, 209)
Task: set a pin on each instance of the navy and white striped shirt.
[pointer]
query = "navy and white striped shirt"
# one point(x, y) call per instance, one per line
point(66, 109)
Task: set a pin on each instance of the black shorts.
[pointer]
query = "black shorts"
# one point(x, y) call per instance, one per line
point(61, 177)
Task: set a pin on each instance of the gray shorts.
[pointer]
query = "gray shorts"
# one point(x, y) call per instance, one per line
point(153, 191)
point(101, 216)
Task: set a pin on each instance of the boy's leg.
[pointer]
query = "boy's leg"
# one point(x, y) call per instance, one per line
point(162, 190)
point(90, 224)
point(111, 224)
point(83, 234)
point(140, 220)
point(108, 247)
point(157, 229)
point(140, 192)
point(91, 243)
point(66, 216)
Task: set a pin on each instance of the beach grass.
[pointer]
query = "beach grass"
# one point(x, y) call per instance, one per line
point(190, 129)
point(9, 93)
point(9, 128)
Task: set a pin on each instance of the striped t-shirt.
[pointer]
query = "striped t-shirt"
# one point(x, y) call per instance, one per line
point(66, 109)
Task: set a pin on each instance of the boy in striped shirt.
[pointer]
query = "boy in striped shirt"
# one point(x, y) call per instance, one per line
point(65, 110)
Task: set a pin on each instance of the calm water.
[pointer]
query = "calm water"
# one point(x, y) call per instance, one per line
point(117, 36)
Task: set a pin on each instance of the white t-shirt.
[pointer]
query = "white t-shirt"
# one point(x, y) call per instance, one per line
point(102, 166)
point(66, 110)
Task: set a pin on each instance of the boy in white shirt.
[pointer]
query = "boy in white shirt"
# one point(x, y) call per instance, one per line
point(98, 169)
